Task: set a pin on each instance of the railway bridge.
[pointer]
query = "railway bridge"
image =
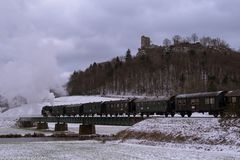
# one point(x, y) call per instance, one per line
point(87, 124)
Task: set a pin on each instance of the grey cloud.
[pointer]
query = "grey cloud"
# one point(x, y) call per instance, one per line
point(112, 26)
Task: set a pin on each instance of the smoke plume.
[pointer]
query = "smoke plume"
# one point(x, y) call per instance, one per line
point(30, 68)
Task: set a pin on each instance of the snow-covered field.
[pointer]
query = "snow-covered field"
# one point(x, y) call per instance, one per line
point(94, 150)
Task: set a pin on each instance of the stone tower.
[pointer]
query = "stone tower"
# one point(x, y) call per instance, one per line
point(145, 42)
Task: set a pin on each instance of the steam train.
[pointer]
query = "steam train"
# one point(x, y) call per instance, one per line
point(215, 103)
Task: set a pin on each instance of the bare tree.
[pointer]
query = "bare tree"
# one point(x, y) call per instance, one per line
point(205, 41)
point(187, 39)
point(194, 37)
point(217, 42)
point(167, 42)
point(177, 39)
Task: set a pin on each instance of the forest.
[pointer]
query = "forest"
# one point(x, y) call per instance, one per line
point(180, 65)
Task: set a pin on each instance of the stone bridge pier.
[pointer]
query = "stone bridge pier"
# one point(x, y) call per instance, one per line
point(42, 125)
point(61, 127)
point(87, 129)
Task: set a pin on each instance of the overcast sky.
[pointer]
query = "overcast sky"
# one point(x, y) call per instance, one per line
point(76, 33)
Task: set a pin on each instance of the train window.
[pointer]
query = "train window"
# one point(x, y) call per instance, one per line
point(182, 102)
point(229, 99)
point(179, 102)
point(207, 101)
point(212, 101)
point(234, 99)
point(194, 101)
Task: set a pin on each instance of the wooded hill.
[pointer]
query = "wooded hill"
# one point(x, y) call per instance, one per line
point(162, 70)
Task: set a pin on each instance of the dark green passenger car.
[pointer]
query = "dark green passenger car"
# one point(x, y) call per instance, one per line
point(116, 108)
point(151, 106)
point(232, 99)
point(211, 102)
point(92, 108)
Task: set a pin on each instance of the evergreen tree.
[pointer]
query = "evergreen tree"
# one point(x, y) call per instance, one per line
point(128, 56)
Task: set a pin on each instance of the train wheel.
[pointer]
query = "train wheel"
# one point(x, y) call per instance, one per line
point(215, 115)
point(172, 114)
point(147, 115)
point(166, 114)
point(222, 114)
point(182, 114)
point(238, 114)
point(189, 114)
point(141, 114)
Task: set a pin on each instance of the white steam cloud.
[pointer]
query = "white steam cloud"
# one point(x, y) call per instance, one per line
point(29, 68)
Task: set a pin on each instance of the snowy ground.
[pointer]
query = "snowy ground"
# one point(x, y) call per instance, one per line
point(200, 130)
point(92, 150)
point(202, 134)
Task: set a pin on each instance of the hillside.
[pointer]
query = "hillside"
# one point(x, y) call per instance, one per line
point(162, 70)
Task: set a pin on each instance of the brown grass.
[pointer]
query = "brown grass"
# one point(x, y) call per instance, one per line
point(155, 136)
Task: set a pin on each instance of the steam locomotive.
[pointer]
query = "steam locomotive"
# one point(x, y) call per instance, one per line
point(215, 103)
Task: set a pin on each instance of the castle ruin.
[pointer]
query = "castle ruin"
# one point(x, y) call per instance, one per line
point(145, 42)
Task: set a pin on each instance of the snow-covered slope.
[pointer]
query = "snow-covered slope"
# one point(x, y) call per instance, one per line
point(184, 130)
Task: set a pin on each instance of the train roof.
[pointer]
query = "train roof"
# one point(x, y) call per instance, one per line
point(92, 103)
point(151, 99)
point(73, 105)
point(235, 93)
point(117, 101)
point(200, 94)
